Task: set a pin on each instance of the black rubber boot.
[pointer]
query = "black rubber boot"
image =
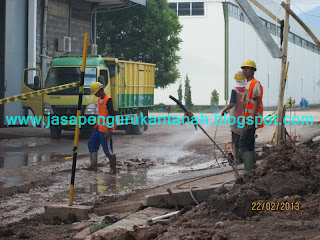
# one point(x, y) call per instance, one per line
point(93, 161)
point(113, 163)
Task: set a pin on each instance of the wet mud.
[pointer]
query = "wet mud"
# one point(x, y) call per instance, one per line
point(289, 176)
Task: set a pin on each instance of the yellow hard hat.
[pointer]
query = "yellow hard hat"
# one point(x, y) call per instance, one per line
point(95, 87)
point(249, 63)
point(239, 76)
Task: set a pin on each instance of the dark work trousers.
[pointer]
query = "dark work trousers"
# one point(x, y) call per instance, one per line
point(98, 138)
point(235, 138)
point(246, 142)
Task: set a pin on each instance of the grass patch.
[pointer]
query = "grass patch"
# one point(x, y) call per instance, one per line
point(314, 106)
point(97, 227)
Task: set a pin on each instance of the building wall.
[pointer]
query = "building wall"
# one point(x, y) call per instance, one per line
point(70, 18)
point(244, 43)
point(66, 18)
point(202, 56)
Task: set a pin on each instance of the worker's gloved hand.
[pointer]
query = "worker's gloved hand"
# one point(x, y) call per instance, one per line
point(107, 134)
point(187, 114)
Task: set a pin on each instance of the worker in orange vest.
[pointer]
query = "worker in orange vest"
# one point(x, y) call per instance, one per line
point(103, 128)
point(236, 108)
point(252, 99)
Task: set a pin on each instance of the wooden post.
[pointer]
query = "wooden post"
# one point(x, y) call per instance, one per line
point(280, 128)
point(305, 27)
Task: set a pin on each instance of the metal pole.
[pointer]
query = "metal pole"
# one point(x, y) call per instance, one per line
point(76, 135)
point(226, 51)
point(280, 128)
point(44, 40)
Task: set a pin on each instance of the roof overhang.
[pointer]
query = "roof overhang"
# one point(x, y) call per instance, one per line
point(117, 2)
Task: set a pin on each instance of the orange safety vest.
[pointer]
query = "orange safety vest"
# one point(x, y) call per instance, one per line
point(250, 103)
point(102, 111)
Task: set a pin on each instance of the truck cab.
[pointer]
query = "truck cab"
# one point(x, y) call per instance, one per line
point(130, 85)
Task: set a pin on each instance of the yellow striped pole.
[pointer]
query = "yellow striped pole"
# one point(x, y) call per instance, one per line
point(37, 93)
point(76, 135)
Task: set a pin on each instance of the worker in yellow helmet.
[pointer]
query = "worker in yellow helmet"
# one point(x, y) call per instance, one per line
point(103, 129)
point(236, 110)
point(252, 99)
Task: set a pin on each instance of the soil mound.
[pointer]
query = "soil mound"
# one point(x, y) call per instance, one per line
point(288, 175)
point(288, 171)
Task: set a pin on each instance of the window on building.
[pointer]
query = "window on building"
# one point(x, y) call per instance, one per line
point(278, 31)
point(234, 11)
point(197, 8)
point(291, 37)
point(310, 46)
point(297, 40)
point(183, 8)
point(272, 28)
point(173, 6)
point(264, 22)
point(304, 43)
point(188, 8)
point(242, 17)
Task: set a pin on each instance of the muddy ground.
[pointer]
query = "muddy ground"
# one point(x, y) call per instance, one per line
point(278, 200)
point(147, 164)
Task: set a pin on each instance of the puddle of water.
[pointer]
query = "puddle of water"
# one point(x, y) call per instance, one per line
point(13, 160)
point(13, 181)
point(107, 183)
point(88, 185)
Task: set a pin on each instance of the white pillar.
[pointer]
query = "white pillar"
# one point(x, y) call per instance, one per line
point(32, 33)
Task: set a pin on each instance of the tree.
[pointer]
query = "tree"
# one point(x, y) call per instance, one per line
point(148, 34)
point(187, 92)
point(180, 96)
point(214, 100)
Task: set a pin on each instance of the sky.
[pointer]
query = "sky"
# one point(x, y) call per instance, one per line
point(305, 5)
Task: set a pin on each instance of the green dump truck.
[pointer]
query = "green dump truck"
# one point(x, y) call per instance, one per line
point(130, 85)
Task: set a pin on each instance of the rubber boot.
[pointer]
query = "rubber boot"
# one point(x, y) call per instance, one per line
point(113, 163)
point(236, 154)
point(249, 159)
point(93, 161)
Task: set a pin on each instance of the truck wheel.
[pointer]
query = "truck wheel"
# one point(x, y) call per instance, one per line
point(128, 129)
point(55, 132)
point(145, 126)
point(136, 129)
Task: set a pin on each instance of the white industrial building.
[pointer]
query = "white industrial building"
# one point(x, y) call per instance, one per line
point(215, 44)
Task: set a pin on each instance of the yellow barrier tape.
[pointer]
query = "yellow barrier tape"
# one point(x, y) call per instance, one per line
point(38, 92)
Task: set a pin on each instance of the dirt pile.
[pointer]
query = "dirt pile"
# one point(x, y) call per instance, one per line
point(290, 172)
point(289, 175)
